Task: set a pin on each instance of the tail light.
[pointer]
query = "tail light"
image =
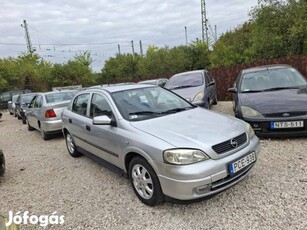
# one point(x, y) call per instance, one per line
point(50, 113)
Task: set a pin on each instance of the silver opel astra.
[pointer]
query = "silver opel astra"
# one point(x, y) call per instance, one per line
point(167, 147)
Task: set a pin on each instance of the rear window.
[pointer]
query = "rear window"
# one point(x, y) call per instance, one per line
point(59, 96)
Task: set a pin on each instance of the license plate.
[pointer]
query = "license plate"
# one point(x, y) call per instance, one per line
point(286, 124)
point(240, 164)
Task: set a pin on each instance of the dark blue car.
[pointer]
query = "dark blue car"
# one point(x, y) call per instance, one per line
point(197, 87)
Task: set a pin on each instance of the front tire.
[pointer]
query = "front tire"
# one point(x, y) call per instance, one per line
point(215, 100)
point(145, 182)
point(30, 128)
point(71, 147)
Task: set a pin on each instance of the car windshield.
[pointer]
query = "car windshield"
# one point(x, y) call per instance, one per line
point(272, 79)
point(60, 96)
point(185, 81)
point(147, 103)
point(26, 99)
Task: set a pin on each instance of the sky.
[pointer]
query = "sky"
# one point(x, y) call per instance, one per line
point(61, 29)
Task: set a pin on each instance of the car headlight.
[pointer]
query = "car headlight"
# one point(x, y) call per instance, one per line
point(250, 130)
point(249, 112)
point(199, 96)
point(184, 156)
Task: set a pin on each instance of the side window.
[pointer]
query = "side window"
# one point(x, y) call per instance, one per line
point(37, 102)
point(100, 106)
point(209, 76)
point(80, 104)
point(32, 104)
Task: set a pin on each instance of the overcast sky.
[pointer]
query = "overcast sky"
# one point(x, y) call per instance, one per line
point(60, 29)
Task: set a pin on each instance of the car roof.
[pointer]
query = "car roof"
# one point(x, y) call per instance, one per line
point(60, 91)
point(190, 72)
point(264, 67)
point(121, 87)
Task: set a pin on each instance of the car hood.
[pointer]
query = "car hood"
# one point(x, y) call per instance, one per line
point(195, 128)
point(276, 101)
point(189, 93)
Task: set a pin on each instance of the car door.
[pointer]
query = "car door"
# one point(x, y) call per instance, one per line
point(33, 110)
point(210, 88)
point(77, 118)
point(103, 139)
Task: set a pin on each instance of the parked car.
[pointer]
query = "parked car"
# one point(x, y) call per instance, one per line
point(165, 145)
point(22, 102)
point(2, 163)
point(196, 86)
point(44, 112)
point(272, 99)
point(12, 105)
point(160, 82)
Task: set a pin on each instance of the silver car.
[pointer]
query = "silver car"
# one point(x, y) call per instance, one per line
point(44, 112)
point(168, 147)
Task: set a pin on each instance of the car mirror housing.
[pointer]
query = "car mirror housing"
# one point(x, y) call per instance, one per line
point(102, 120)
point(232, 90)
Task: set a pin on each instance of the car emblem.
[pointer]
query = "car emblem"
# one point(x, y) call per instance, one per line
point(286, 115)
point(234, 143)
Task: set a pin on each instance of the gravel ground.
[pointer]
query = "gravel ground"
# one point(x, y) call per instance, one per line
point(42, 178)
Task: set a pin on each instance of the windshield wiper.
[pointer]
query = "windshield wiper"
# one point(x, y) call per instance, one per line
point(176, 110)
point(183, 86)
point(144, 113)
point(252, 91)
point(279, 88)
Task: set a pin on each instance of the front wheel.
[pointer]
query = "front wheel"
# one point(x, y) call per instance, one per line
point(71, 147)
point(145, 182)
point(215, 100)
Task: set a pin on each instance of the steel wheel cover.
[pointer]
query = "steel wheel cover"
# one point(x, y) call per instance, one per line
point(70, 143)
point(142, 181)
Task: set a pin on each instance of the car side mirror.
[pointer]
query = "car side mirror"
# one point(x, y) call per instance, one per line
point(17, 103)
point(232, 90)
point(29, 106)
point(102, 120)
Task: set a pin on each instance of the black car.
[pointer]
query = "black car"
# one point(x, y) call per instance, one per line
point(22, 103)
point(272, 99)
point(2, 163)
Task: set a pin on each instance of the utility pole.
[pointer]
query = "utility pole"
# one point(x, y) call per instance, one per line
point(141, 48)
point(215, 33)
point(132, 46)
point(27, 36)
point(118, 46)
point(186, 35)
point(204, 22)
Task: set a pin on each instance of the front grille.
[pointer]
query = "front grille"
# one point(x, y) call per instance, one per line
point(286, 114)
point(227, 146)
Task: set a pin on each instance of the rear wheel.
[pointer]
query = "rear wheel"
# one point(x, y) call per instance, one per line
point(44, 135)
point(71, 147)
point(24, 121)
point(18, 117)
point(145, 182)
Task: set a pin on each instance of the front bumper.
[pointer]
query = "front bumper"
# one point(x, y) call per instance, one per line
point(52, 125)
point(262, 127)
point(206, 178)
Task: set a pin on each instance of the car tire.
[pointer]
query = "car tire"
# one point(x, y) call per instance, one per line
point(145, 182)
point(18, 117)
point(44, 135)
point(215, 100)
point(71, 147)
point(24, 121)
point(30, 128)
point(11, 113)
